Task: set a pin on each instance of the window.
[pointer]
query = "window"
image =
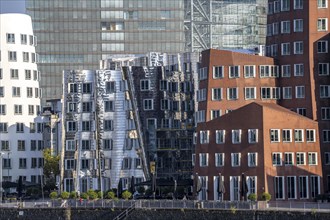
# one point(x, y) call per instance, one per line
point(276, 27)
point(16, 91)
point(85, 144)
point(300, 92)
point(236, 136)
point(109, 106)
point(322, 3)
point(286, 70)
point(144, 85)
point(277, 159)
point(69, 164)
point(216, 94)
point(1, 73)
point(323, 69)
point(73, 88)
point(22, 163)
point(29, 92)
point(203, 159)
point(234, 72)
point(218, 72)
point(215, 114)
point(327, 158)
point(325, 91)
point(322, 24)
point(249, 71)
point(301, 111)
point(276, 93)
point(107, 144)
point(26, 57)
point(285, 49)
point(315, 186)
point(31, 109)
point(274, 135)
point(87, 106)
point(266, 93)
point(18, 109)
point(20, 145)
point(138, 163)
point(70, 145)
point(19, 127)
point(291, 184)
point(110, 87)
point(220, 136)
point(310, 135)
point(250, 93)
point(200, 116)
point(6, 163)
point(287, 93)
point(298, 4)
point(312, 158)
point(236, 159)
point(28, 74)
point(285, 5)
point(87, 88)
point(276, 6)
point(2, 109)
point(285, 27)
point(71, 126)
point(288, 159)
point(299, 135)
point(298, 25)
point(279, 187)
point(287, 135)
point(23, 39)
point(298, 47)
point(202, 73)
point(219, 159)
point(201, 95)
point(303, 187)
point(10, 38)
point(86, 126)
point(33, 145)
point(14, 73)
point(252, 159)
point(325, 113)
point(232, 93)
point(148, 104)
point(12, 56)
point(322, 46)
point(326, 136)
point(204, 137)
point(3, 127)
point(253, 135)
point(2, 91)
point(300, 158)
point(299, 69)
point(72, 107)
point(4, 145)
point(108, 125)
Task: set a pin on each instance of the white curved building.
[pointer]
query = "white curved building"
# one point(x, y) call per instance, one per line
point(21, 129)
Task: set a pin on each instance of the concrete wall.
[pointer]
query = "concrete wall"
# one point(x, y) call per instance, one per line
point(146, 214)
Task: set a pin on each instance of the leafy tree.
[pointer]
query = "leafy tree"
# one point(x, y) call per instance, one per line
point(51, 169)
point(53, 195)
point(111, 195)
point(84, 196)
point(252, 197)
point(73, 195)
point(92, 194)
point(266, 196)
point(126, 195)
point(65, 195)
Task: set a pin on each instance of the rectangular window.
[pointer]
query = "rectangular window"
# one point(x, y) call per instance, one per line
point(16, 91)
point(298, 47)
point(85, 144)
point(323, 69)
point(285, 27)
point(274, 135)
point(69, 164)
point(300, 92)
point(253, 135)
point(276, 92)
point(71, 126)
point(109, 106)
point(203, 159)
point(29, 92)
point(285, 5)
point(4, 145)
point(301, 111)
point(204, 137)
point(310, 135)
point(19, 127)
point(286, 70)
point(148, 104)
point(107, 144)
point(250, 93)
point(14, 74)
point(21, 145)
point(298, 25)
point(285, 49)
point(322, 24)
point(327, 158)
point(324, 91)
point(23, 39)
point(322, 3)
point(326, 136)
point(28, 74)
point(10, 38)
point(3, 127)
point(2, 109)
point(287, 92)
point(287, 135)
point(202, 73)
point(266, 93)
point(31, 109)
point(288, 159)
point(163, 85)
point(325, 113)
point(12, 56)
point(303, 187)
point(215, 114)
point(70, 145)
point(279, 187)
point(26, 57)
point(22, 163)
point(236, 159)
point(73, 88)
point(298, 69)
point(252, 159)
point(86, 126)
point(33, 145)
point(298, 135)
point(72, 107)
point(201, 95)
point(315, 186)
point(18, 109)
point(216, 94)
point(144, 85)
point(219, 159)
point(276, 27)
point(218, 72)
point(232, 93)
point(234, 71)
point(300, 158)
point(2, 91)
point(298, 4)
point(220, 136)
point(277, 159)
point(108, 125)
point(236, 136)
point(249, 71)
point(292, 188)
point(110, 87)
point(312, 158)
point(87, 88)
point(322, 46)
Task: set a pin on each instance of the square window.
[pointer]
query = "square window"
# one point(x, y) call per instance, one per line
point(218, 72)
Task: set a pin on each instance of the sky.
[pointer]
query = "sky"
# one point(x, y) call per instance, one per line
point(12, 6)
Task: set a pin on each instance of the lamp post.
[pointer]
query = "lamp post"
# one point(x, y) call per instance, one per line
point(1, 190)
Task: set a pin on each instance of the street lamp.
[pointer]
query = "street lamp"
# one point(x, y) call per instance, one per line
point(1, 190)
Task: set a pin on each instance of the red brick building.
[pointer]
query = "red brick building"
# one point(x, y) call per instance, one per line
point(298, 39)
point(277, 150)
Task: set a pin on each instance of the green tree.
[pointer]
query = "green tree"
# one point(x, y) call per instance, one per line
point(53, 195)
point(111, 195)
point(65, 195)
point(126, 195)
point(92, 194)
point(51, 169)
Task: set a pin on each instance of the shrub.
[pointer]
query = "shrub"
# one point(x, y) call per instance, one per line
point(252, 197)
point(111, 195)
point(100, 195)
point(92, 194)
point(65, 195)
point(126, 195)
point(84, 196)
point(73, 195)
point(53, 195)
point(266, 196)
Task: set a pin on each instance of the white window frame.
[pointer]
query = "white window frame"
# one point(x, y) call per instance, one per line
point(298, 25)
point(312, 158)
point(252, 159)
point(220, 136)
point(232, 93)
point(250, 93)
point(234, 72)
point(148, 104)
point(299, 135)
point(236, 136)
point(249, 71)
point(288, 159)
point(218, 72)
point(219, 159)
point(203, 159)
point(235, 159)
point(322, 24)
point(322, 46)
point(300, 92)
point(277, 136)
point(285, 134)
point(310, 135)
point(217, 94)
point(278, 182)
point(285, 49)
point(253, 136)
point(300, 158)
point(204, 137)
point(298, 47)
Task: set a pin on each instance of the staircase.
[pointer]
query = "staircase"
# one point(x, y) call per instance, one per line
point(126, 212)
